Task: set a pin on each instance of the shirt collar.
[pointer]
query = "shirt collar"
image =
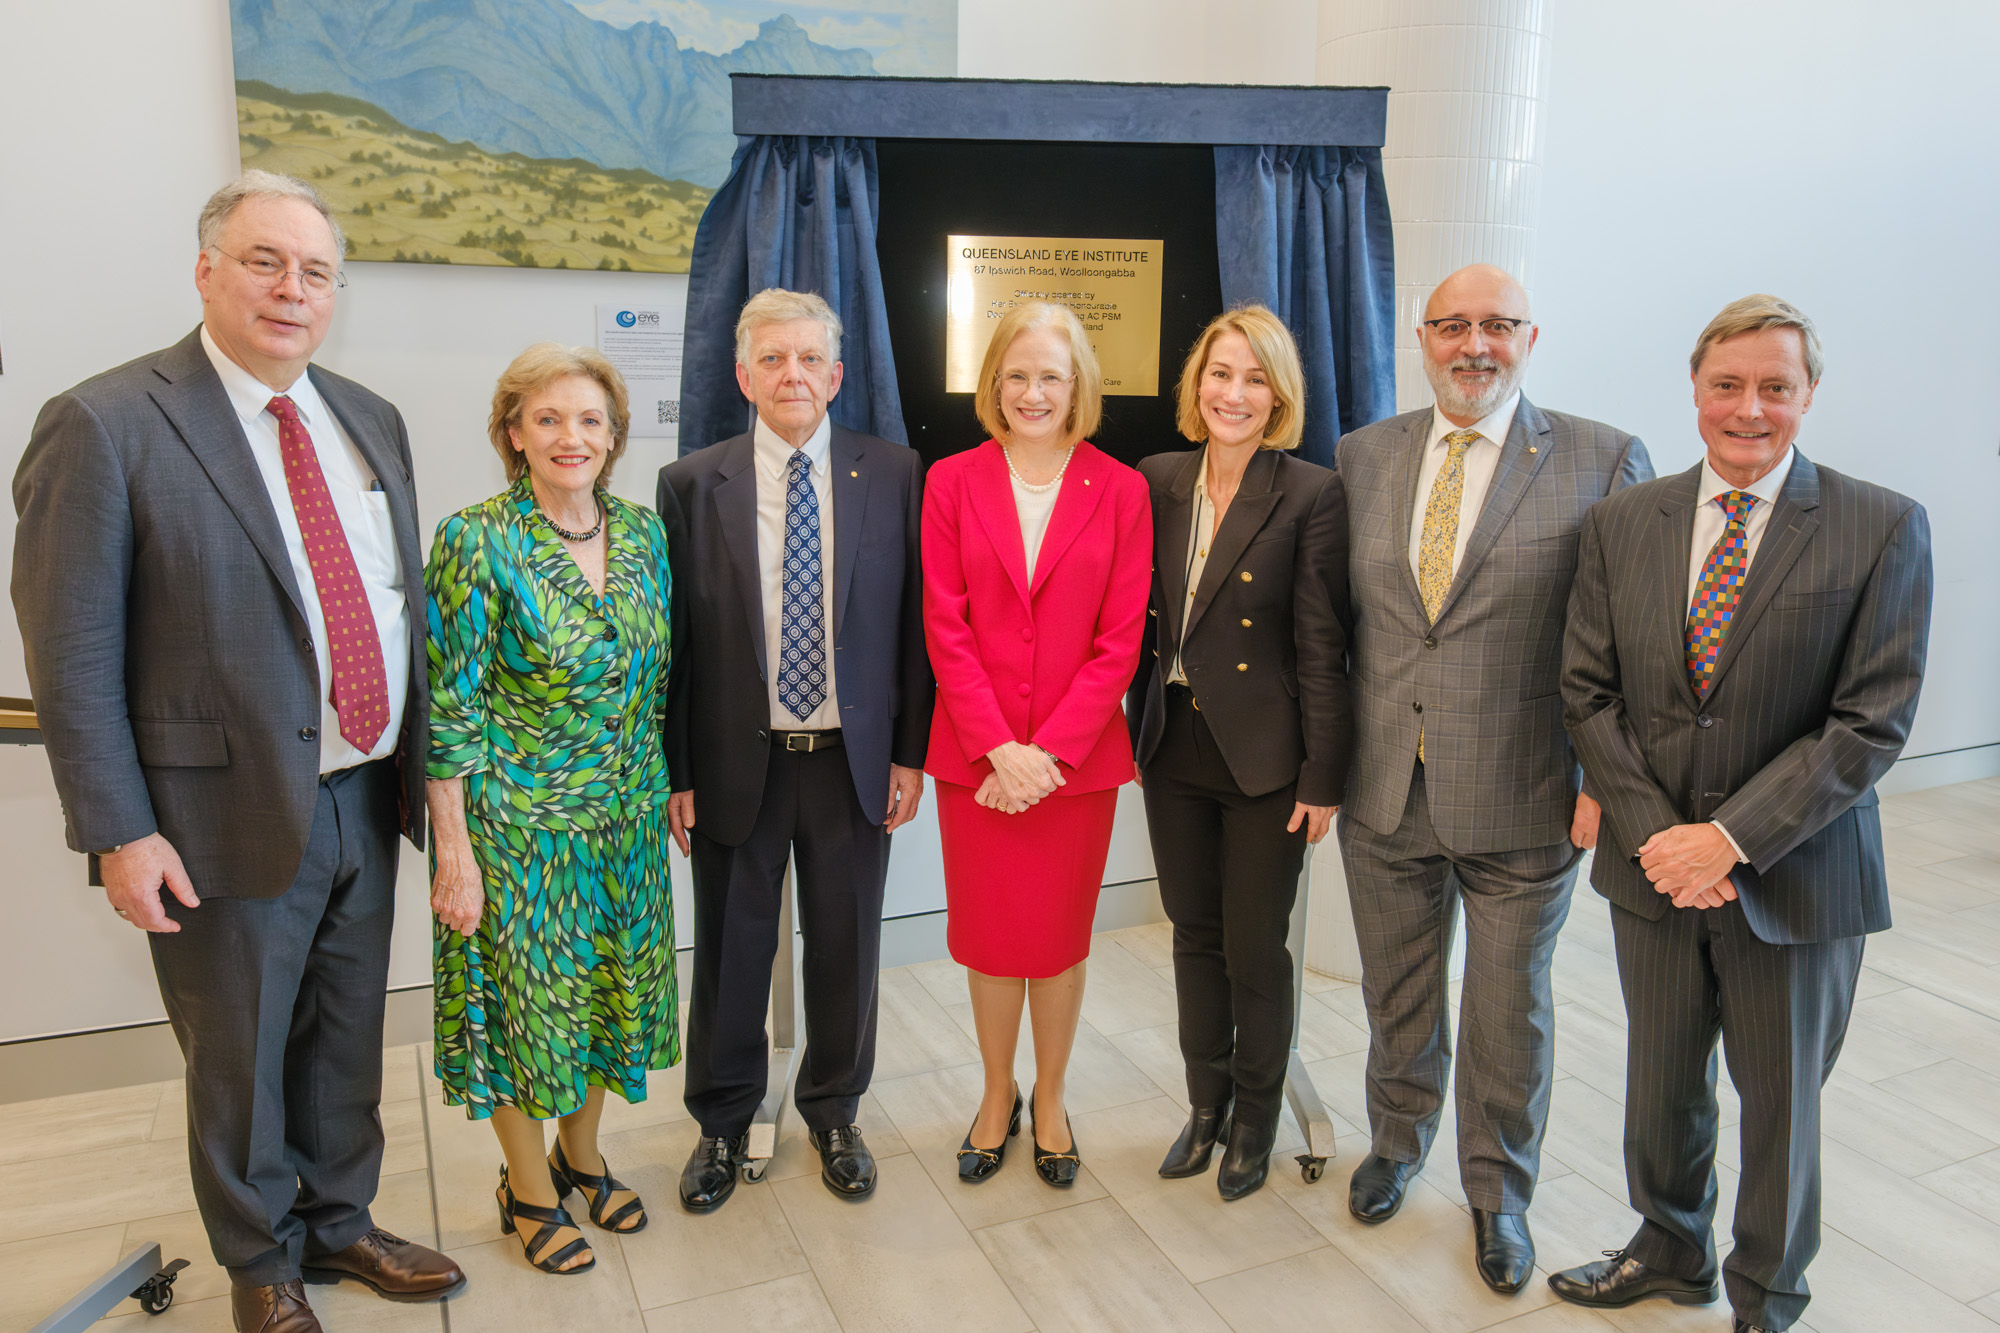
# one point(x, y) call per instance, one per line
point(774, 452)
point(1765, 489)
point(250, 395)
point(1492, 427)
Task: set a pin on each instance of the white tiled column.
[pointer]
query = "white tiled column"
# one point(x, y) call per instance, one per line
point(1468, 82)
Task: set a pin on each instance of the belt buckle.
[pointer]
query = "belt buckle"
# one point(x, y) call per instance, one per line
point(799, 742)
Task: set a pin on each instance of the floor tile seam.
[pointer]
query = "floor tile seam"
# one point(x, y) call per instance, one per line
point(1921, 1281)
point(1993, 1069)
point(1991, 1145)
point(644, 1309)
point(1327, 1242)
point(1063, 1207)
point(141, 1141)
point(431, 1179)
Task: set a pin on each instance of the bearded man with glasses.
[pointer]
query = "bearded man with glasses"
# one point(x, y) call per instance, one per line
point(1462, 544)
point(217, 574)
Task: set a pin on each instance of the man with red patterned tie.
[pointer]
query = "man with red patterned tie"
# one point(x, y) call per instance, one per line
point(1744, 649)
point(216, 573)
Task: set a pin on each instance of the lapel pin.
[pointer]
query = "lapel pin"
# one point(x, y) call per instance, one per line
point(854, 474)
point(1086, 481)
point(1533, 450)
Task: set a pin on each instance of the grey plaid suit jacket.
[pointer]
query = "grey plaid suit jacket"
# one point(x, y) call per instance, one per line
point(1483, 682)
point(1814, 691)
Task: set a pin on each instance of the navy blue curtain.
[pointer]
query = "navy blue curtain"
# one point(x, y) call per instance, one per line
point(1305, 231)
point(798, 212)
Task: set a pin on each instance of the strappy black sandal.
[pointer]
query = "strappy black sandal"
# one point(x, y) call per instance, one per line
point(597, 1191)
point(551, 1220)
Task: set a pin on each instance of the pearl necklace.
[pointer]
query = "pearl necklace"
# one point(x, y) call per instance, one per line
point(1029, 486)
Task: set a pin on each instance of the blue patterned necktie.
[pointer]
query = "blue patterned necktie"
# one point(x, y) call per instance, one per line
point(802, 636)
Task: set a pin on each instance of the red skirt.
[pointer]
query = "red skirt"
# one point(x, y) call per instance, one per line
point(1021, 890)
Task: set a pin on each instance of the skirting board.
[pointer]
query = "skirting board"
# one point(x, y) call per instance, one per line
point(1920, 772)
point(148, 1053)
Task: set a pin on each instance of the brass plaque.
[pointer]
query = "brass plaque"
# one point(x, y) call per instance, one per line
point(1113, 286)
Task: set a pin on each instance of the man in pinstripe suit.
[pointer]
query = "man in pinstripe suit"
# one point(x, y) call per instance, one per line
point(1746, 641)
point(1463, 539)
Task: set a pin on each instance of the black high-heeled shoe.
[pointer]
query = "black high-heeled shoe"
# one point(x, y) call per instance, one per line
point(597, 1192)
point(550, 1221)
point(1057, 1168)
point(980, 1164)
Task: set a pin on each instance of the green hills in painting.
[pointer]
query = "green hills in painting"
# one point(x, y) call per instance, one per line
point(410, 195)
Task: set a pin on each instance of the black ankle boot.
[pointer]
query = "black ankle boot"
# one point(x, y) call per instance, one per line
point(1189, 1155)
point(1247, 1159)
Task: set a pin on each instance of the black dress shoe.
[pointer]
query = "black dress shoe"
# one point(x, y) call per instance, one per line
point(845, 1165)
point(1378, 1187)
point(1503, 1250)
point(980, 1164)
point(709, 1177)
point(1189, 1155)
point(1744, 1326)
point(1618, 1279)
point(1057, 1168)
point(1247, 1159)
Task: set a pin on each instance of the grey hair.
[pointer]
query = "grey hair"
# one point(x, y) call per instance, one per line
point(255, 184)
point(1753, 314)
point(775, 305)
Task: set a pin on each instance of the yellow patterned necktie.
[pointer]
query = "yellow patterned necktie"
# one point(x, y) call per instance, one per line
point(1439, 539)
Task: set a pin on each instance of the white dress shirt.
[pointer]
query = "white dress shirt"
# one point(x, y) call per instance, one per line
point(1033, 508)
point(1709, 521)
point(364, 518)
point(1201, 535)
point(774, 462)
point(1482, 460)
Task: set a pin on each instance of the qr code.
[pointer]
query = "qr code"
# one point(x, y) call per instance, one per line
point(670, 411)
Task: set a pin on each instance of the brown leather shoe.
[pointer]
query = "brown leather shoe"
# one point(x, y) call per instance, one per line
point(398, 1269)
point(279, 1309)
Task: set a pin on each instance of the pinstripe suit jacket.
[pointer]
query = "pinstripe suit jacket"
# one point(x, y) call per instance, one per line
point(1814, 691)
point(1499, 773)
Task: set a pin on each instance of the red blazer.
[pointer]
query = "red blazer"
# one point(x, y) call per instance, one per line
point(1047, 665)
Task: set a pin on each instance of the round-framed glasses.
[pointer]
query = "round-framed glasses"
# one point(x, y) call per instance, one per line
point(268, 273)
point(1048, 381)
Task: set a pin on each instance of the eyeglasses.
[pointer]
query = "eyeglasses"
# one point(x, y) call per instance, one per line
point(269, 274)
point(1496, 330)
point(1049, 381)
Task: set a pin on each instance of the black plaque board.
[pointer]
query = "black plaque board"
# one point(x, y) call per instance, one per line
point(935, 188)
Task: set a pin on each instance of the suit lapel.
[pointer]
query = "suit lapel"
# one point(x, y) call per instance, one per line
point(545, 555)
point(1673, 550)
point(1082, 488)
point(1246, 514)
point(1409, 467)
point(197, 406)
point(1512, 476)
point(993, 500)
point(1794, 520)
point(736, 513)
point(1176, 513)
point(849, 483)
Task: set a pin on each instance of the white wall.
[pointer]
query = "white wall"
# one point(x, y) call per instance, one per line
point(1839, 155)
point(1138, 41)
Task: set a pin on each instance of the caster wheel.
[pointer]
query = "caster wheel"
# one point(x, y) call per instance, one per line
point(1311, 1169)
point(754, 1171)
point(157, 1292)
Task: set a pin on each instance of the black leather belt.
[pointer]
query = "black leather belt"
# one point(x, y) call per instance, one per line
point(805, 742)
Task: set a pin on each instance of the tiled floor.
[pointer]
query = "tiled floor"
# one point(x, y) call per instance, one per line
point(1912, 1209)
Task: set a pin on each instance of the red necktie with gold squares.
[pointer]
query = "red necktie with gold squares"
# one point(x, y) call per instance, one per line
point(360, 687)
point(1718, 590)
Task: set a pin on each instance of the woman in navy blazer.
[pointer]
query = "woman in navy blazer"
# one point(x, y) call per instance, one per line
point(1037, 554)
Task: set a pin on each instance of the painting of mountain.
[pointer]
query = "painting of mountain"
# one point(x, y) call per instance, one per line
point(537, 133)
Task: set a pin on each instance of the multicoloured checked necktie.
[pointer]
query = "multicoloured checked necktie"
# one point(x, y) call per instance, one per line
point(360, 687)
point(1718, 591)
point(802, 631)
point(1438, 542)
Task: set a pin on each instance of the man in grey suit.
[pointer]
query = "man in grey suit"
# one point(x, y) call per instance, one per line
point(216, 573)
point(1746, 642)
point(1462, 545)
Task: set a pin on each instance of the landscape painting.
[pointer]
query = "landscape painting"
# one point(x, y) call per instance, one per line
point(537, 133)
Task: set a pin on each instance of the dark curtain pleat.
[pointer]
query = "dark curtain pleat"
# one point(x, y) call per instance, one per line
point(798, 212)
point(1305, 231)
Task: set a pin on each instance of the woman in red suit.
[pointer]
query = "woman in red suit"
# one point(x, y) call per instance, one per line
point(1037, 553)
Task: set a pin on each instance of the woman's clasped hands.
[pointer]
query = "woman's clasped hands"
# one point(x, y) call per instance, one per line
point(1021, 776)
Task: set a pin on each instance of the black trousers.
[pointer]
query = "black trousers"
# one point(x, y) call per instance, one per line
point(1229, 873)
point(277, 1003)
point(1782, 1011)
point(841, 854)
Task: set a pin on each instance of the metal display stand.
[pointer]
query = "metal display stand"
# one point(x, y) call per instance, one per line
point(786, 1026)
point(1300, 1093)
point(139, 1275)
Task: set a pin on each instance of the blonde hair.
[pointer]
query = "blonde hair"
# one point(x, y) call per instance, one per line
point(1086, 401)
point(1753, 314)
point(1277, 355)
point(775, 305)
point(536, 369)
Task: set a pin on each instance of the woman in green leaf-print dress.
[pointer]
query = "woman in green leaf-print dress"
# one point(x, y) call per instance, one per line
point(549, 647)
